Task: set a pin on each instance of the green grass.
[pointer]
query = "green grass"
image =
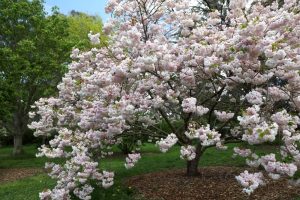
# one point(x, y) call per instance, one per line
point(26, 160)
point(152, 160)
point(27, 188)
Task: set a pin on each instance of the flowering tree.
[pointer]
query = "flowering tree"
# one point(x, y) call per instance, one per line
point(223, 83)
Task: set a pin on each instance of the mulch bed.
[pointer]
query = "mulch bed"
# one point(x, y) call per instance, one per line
point(8, 175)
point(213, 183)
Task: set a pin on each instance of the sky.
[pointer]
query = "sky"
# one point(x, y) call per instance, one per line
point(91, 7)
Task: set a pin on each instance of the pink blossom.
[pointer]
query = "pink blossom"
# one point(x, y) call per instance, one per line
point(94, 38)
point(188, 152)
point(189, 105)
point(223, 116)
point(132, 159)
point(167, 143)
point(249, 181)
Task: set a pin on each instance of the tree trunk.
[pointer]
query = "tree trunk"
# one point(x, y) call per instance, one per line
point(44, 140)
point(18, 144)
point(192, 166)
point(18, 133)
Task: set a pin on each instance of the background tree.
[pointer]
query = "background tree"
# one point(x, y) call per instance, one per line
point(33, 52)
point(80, 25)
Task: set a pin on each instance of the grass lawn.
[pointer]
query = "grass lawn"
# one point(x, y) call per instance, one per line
point(152, 160)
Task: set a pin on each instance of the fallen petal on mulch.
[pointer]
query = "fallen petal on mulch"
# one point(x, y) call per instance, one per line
point(7, 175)
point(213, 183)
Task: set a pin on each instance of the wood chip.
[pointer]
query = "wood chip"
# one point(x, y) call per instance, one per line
point(7, 175)
point(213, 183)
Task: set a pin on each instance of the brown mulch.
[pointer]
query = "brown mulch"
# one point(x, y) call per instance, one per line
point(8, 175)
point(213, 183)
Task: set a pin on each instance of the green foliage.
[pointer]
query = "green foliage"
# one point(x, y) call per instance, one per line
point(129, 143)
point(80, 24)
point(33, 52)
point(163, 125)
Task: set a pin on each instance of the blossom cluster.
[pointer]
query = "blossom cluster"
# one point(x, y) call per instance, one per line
point(261, 133)
point(242, 152)
point(255, 98)
point(189, 106)
point(165, 144)
point(205, 135)
point(188, 152)
point(94, 38)
point(108, 179)
point(276, 168)
point(132, 159)
point(223, 116)
point(208, 137)
point(250, 181)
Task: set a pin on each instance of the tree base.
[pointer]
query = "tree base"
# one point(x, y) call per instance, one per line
point(18, 145)
point(192, 168)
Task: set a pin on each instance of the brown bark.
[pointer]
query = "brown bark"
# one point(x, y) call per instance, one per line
point(18, 144)
point(44, 140)
point(192, 166)
point(18, 133)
